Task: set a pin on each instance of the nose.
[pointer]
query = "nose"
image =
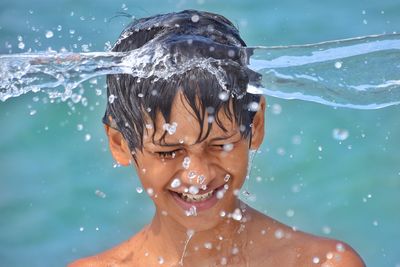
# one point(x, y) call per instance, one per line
point(197, 170)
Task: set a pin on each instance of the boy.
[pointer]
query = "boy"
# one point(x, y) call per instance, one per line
point(188, 135)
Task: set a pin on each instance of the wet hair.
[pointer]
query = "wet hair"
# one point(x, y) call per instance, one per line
point(136, 101)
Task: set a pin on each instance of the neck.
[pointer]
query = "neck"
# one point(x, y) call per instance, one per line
point(177, 244)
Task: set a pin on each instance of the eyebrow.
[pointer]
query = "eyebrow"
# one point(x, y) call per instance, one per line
point(180, 144)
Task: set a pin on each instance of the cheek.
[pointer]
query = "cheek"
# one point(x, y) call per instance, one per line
point(236, 162)
point(154, 174)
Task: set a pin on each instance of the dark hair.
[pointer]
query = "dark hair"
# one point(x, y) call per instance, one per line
point(135, 98)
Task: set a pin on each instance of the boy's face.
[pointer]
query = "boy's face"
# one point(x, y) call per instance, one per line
point(188, 178)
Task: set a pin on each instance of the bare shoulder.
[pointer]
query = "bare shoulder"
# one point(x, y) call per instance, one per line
point(279, 243)
point(111, 257)
point(120, 255)
point(341, 255)
point(326, 252)
point(86, 262)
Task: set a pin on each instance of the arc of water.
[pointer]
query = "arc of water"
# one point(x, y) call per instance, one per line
point(360, 73)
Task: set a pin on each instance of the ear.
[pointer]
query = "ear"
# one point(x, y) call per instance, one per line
point(257, 130)
point(118, 146)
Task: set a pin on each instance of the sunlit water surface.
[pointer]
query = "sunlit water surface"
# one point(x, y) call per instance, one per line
point(330, 171)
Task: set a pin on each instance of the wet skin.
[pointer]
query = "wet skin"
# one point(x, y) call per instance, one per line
point(251, 239)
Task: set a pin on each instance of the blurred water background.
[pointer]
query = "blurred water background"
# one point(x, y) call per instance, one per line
point(331, 172)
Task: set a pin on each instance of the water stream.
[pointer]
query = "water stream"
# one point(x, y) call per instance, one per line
point(359, 73)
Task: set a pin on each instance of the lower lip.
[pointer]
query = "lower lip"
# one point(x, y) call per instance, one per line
point(200, 205)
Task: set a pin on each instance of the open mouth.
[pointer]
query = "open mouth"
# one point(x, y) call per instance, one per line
point(200, 201)
point(196, 198)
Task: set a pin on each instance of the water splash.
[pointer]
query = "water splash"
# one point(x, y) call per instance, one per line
point(189, 234)
point(359, 73)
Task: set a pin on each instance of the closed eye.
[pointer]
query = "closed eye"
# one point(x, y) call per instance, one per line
point(223, 147)
point(167, 154)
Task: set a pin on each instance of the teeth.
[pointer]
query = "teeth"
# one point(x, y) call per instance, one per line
point(196, 198)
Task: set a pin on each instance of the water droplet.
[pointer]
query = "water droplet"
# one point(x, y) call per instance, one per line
point(160, 260)
point(100, 194)
point(227, 147)
point(200, 180)
point(220, 194)
point(85, 48)
point(281, 151)
point(193, 190)
point(338, 64)
point(326, 230)
point(340, 134)
point(375, 223)
point(237, 215)
point(190, 232)
point(222, 213)
point(208, 245)
point(263, 232)
point(223, 96)
point(231, 53)
point(139, 189)
point(339, 247)
point(111, 98)
point(296, 140)
point(21, 45)
point(32, 112)
point(59, 28)
point(191, 212)
point(88, 137)
point(186, 164)
point(320, 148)
point(97, 228)
point(81, 229)
point(150, 191)
point(276, 109)
point(315, 260)
point(170, 128)
point(279, 234)
point(224, 261)
point(79, 127)
point(329, 255)
point(227, 177)
point(290, 213)
point(176, 183)
point(253, 106)
point(72, 31)
point(365, 21)
point(49, 34)
point(76, 98)
point(195, 18)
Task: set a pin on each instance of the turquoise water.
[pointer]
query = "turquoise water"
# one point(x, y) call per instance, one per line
point(50, 213)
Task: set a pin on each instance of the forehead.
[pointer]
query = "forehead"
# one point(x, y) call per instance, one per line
point(184, 125)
